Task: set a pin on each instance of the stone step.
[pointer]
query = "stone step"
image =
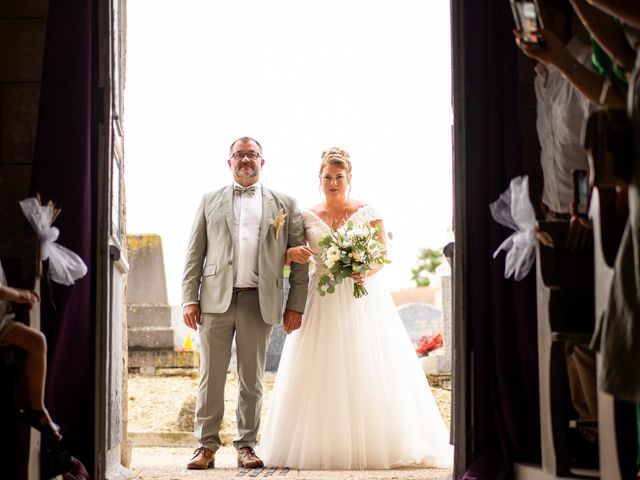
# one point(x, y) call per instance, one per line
point(146, 362)
point(164, 439)
point(148, 316)
point(150, 338)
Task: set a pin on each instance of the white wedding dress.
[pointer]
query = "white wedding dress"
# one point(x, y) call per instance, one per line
point(350, 392)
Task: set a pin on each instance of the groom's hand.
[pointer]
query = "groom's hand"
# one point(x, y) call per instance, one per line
point(191, 315)
point(292, 320)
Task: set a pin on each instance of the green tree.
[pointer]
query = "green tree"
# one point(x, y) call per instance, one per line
point(428, 260)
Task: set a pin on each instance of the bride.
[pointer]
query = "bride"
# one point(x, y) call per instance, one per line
point(350, 392)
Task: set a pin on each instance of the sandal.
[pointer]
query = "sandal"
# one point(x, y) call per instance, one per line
point(41, 421)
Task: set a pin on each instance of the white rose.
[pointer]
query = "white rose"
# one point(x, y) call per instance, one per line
point(333, 253)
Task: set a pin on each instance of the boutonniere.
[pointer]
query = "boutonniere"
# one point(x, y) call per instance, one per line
point(278, 222)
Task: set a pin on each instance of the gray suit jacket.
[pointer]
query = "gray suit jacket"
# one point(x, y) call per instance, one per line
point(208, 271)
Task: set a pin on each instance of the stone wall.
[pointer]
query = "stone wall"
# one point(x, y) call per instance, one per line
point(22, 35)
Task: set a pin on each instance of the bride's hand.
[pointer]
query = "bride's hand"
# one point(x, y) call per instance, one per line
point(359, 278)
point(299, 254)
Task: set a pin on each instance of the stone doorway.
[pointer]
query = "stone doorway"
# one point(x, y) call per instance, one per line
point(181, 461)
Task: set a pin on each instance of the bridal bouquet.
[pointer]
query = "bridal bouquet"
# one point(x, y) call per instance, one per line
point(350, 249)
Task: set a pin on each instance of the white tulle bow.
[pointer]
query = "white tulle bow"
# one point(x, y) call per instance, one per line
point(513, 209)
point(65, 267)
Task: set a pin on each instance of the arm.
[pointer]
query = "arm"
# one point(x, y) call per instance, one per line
point(607, 32)
point(193, 269)
point(300, 254)
point(299, 275)
point(587, 82)
point(18, 295)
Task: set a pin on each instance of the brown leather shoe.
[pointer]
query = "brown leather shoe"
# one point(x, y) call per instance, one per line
point(202, 459)
point(247, 458)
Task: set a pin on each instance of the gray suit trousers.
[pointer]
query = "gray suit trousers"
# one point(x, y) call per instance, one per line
point(216, 336)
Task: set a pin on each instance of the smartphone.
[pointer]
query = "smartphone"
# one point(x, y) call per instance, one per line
point(581, 191)
point(526, 16)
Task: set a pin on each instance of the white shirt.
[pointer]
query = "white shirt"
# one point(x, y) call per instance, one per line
point(247, 217)
point(561, 113)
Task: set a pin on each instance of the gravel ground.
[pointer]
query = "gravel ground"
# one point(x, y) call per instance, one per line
point(155, 402)
point(154, 407)
point(169, 464)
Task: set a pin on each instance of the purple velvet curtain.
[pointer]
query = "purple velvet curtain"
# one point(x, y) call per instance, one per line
point(502, 313)
point(62, 172)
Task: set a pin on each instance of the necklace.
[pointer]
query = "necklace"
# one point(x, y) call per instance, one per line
point(338, 220)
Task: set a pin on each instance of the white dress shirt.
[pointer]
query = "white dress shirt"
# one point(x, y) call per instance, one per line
point(561, 113)
point(247, 217)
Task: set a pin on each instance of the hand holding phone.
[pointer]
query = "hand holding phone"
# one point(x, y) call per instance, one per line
point(581, 192)
point(526, 16)
point(580, 232)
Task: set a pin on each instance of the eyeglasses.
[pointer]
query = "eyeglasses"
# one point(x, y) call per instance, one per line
point(249, 155)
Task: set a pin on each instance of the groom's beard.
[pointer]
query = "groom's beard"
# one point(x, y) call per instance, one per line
point(245, 171)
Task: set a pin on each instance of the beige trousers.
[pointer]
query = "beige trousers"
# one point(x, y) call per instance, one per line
point(581, 370)
point(216, 336)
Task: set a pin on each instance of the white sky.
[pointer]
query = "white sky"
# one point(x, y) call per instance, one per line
point(370, 76)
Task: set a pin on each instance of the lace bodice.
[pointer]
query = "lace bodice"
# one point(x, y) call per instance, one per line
point(316, 229)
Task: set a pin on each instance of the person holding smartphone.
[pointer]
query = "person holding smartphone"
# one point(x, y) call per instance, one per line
point(561, 112)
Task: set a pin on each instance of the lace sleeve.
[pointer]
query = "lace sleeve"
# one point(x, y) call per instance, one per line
point(368, 213)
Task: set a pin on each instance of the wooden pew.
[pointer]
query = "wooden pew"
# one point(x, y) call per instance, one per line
point(565, 299)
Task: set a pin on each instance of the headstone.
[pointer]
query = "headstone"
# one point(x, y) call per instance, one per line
point(146, 278)
point(274, 351)
point(420, 319)
point(278, 336)
point(444, 361)
point(151, 336)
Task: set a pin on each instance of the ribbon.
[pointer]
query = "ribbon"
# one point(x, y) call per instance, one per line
point(513, 209)
point(65, 267)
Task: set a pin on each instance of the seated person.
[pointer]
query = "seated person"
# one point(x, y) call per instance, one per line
point(34, 345)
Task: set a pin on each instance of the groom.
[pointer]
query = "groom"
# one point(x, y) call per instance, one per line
point(233, 283)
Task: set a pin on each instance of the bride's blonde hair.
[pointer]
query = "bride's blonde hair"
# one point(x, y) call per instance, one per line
point(336, 156)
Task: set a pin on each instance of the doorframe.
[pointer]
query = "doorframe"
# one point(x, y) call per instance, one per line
point(462, 360)
point(110, 259)
point(109, 252)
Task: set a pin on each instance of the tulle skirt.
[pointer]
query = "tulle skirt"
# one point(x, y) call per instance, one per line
point(350, 392)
